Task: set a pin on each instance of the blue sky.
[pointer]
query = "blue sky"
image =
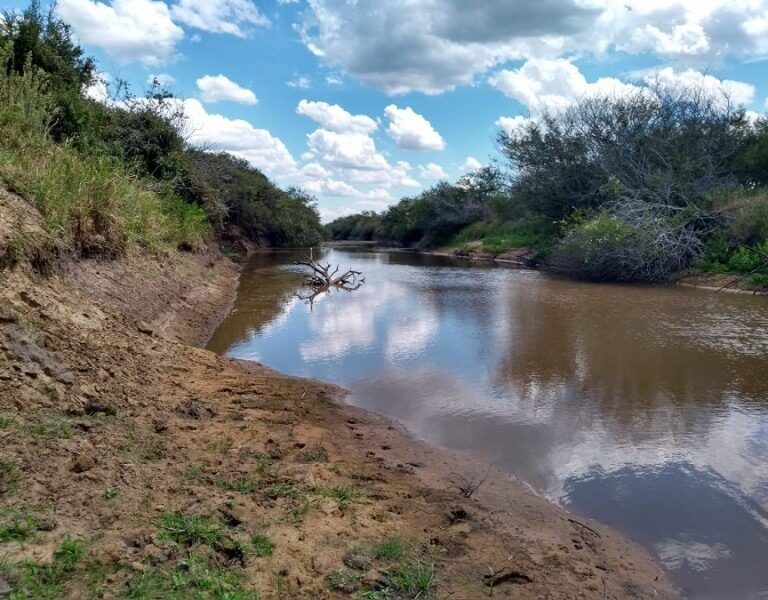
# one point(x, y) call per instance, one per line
point(364, 101)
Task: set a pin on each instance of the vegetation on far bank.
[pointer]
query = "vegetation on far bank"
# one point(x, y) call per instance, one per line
point(107, 176)
point(637, 187)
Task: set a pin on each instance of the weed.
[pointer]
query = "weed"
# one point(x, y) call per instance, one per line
point(390, 549)
point(17, 524)
point(9, 477)
point(220, 446)
point(68, 554)
point(242, 484)
point(195, 577)
point(110, 493)
point(193, 473)
point(343, 496)
point(413, 577)
point(262, 546)
point(52, 428)
point(189, 531)
point(263, 463)
point(283, 489)
point(317, 453)
point(6, 422)
point(45, 581)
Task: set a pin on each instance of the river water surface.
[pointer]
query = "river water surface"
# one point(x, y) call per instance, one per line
point(643, 407)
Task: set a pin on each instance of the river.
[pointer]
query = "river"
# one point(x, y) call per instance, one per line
point(644, 407)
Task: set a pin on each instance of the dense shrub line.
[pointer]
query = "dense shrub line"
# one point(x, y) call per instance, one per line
point(633, 187)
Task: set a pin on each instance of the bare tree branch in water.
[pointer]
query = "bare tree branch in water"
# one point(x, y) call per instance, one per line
point(322, 279)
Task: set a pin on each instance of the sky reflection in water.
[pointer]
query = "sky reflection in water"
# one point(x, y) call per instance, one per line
point(646, 408)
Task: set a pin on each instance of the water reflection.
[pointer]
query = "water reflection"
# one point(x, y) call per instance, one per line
point(644, 407)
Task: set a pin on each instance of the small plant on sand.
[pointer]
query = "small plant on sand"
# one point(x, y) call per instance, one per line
point(6, 422)
point(262, 546)
point(188, 531)
point(110, 493)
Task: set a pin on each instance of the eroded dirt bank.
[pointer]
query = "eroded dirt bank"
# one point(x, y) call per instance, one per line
point(117, 432)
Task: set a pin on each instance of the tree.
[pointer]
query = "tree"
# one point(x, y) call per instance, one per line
point(42, 41)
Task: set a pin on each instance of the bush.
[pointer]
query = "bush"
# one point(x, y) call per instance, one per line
point(609, 248)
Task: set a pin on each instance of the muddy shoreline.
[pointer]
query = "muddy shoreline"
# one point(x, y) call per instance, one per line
point(116, 335)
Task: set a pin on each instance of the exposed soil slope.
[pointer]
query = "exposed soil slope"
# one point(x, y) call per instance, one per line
point(118, 433)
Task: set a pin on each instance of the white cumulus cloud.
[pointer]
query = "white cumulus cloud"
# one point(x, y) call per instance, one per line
point(334, 118)
point(411, 131)
point(553, 84)
point(402, 46)
point(471, 164)
point(432, 171)
point(219, 88)
point(219, 16)
point(128, 30)
point(240, 138)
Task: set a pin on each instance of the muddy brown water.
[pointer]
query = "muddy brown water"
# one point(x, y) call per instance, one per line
point(645, 407)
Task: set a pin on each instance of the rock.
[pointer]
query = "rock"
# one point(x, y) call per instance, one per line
point(195, 410)
point(160, 425)
point(7, 316)
point(458, 514)
point(145, 328)
point(46, 524)
point(93, 407)
point(344, 581)
point(84, 462)
point(138, 539)
point(358, 559)
point(272, 448)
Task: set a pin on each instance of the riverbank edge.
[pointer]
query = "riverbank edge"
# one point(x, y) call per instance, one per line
point(715, 282)
point(156, 310)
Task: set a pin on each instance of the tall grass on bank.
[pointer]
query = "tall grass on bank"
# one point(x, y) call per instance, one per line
point(91, 205)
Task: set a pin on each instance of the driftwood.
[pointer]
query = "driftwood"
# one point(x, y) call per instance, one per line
point(322, 279)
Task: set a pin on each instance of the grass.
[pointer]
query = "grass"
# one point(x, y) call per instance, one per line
point(193, 473)
point(45, 581)
point(406, 576)
point(51, 428)
point(192, 578)
point(17, 524)
point(413, 577)
point(189, 530)
point(343, 496)
point(500, 237)
point(10, 477)
point(317, 453)
point(6, 422)
point(262, 546)
point(242, 485)
point(90, 204)
point(390, 549)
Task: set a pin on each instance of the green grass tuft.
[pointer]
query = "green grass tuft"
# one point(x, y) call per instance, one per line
point(188, 531)
point(262, 546)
